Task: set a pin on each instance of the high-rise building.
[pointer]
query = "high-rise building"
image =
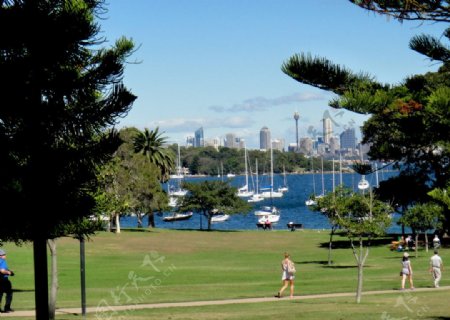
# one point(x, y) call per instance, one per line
point(230, 140)
point(306, 145)
point(327, 130)
point(348, 139)
point(199, 138)
point(278, 144)
point(264, 138)
point(190, 141)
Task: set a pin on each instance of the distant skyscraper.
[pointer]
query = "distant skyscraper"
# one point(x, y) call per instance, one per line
point(264, 138)
point(199, 138)
point(230, 140)
point(190, 141)
point(327, 130)
point(348, 139)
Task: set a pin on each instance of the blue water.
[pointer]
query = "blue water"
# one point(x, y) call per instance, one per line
point(292, 204)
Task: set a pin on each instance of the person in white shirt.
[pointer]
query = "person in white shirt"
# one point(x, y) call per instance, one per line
point(436, 242)
point(436, 268)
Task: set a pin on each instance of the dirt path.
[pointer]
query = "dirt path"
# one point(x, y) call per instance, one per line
point(77, 311)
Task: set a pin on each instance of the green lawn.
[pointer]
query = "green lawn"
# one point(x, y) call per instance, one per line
point(172, 266)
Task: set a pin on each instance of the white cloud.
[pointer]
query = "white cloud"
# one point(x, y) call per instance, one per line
point(260, 103)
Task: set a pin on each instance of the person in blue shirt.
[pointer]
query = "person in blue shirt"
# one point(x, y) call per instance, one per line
point(5, 284)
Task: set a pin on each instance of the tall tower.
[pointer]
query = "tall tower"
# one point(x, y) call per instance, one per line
point(327, 130)
point(296, 117)
point(264, 138)
point(199, 138)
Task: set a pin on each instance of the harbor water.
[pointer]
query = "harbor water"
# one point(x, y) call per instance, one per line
point(291, 205)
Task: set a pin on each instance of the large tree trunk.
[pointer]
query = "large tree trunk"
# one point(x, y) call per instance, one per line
point(209, 221)
point(40, 279)
point(330, 245)
point(417, 245)
point(54, 278)
point(117, 219)
point(151, 219)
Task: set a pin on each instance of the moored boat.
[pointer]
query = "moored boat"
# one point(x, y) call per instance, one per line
point(177, 216)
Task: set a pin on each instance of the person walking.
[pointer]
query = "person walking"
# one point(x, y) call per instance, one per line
point(436, 268)
point(407, 271)
point(436, 242)
point(287, 276)
point(5, 284)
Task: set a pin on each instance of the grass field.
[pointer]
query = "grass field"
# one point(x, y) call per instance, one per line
point(173, 265)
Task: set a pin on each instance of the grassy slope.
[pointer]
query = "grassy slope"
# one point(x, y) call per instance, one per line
point(214, 265)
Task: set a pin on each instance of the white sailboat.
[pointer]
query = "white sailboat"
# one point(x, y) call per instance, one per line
point(312, 201)
point(256, 197)
point(284, 188)
point(269, 213)
point(269, 192)
point(176, 192)
point(244, 191)
point(178, 174)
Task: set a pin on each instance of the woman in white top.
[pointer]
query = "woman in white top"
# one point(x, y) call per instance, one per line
point(286, 276)
point(406, 271)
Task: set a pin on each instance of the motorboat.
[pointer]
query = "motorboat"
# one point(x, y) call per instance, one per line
point(271, 218)
point(220, 218)
point(363, 184)
point(177, 216)
point(267, 210)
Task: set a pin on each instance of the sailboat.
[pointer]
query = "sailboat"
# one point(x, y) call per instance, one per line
point(178, 174)
point(284, 188)
point(173, 193)
point(177, 216)
point(244, 191)
point(270, 193)
point(269, 213)
point(312, 201)
point(256, 197)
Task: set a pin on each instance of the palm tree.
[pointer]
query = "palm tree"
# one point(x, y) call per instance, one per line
point(150, 143)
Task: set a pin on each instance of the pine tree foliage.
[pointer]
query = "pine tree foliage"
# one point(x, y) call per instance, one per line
point(60, 93)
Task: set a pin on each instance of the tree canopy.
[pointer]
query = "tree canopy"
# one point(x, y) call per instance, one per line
point(434, 10)
point(59, 95)
point(209, 197)
point(409, 121)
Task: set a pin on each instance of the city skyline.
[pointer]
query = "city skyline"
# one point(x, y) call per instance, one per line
point(217, 65)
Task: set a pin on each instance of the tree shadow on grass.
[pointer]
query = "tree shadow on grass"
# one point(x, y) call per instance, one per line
point(23, 290)
point(325, 264)
point(345, 244)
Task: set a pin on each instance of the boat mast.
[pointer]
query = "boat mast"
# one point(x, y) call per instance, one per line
point(323, 183)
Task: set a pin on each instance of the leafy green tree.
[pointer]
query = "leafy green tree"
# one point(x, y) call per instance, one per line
point(409, 121)
point(421, 218)
point(367, 218)
point(60, 90)
point(208, 197)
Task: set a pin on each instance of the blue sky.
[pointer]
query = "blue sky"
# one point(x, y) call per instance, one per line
point(217, 63)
